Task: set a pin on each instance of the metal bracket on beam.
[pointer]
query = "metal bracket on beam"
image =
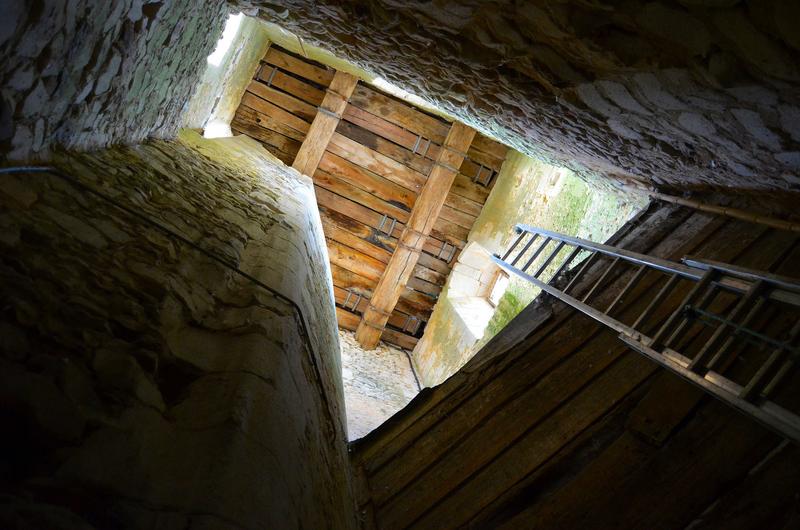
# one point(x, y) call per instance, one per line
point(356, 301)
point(271, 75)
point(447, 252)
point(329, 112)
point(478, 176)
point(384, 222)
point(424, 151)
point(411, 325)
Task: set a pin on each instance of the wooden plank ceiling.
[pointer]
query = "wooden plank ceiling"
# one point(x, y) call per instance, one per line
point(367, 182)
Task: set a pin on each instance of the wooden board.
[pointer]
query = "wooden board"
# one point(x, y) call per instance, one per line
point(349, 321)
point(368, 171)
point(324, 125)
point(400, 113)
point(291, 85)
point(302, 68)
point(423, 218)
point(296, 106)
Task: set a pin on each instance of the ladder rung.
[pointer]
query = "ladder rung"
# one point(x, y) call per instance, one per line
point(524, 249)
point(549, 259)
point(536, 254)
point(586, 264)
point(779, 375)
point(601, 280)
point(686, 321)
point(655, 302)
point(697, 363)
point(514, 245)
point(718, 357)
point(679, 311)
point(752, 387)
point(566, 263)
point(628, 287)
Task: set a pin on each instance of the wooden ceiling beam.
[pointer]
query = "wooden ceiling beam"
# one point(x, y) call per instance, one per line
point(324, 125)
point(423, 217)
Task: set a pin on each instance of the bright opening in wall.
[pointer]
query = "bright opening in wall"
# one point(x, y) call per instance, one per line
point(499, 287)
point(224, 44)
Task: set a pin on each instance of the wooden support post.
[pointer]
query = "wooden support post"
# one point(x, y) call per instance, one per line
point(423, 216)
point(324, 125)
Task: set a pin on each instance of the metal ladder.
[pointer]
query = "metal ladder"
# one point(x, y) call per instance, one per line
point(749, 292)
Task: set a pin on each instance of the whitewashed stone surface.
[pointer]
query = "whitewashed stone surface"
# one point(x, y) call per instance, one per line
point(377, 384)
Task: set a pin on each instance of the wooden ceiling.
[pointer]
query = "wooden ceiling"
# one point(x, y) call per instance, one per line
point(367, 181)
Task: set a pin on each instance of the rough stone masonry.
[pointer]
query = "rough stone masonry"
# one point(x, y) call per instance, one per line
point(145, 385)
point(86, 74)
point(686, 94)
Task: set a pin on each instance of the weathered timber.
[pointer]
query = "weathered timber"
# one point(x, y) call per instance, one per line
point(380, 126)
point(376, 162)
point(400, 113)
point(356, 305)
point(320, 75)
point(296, 106)
point(345, 188)
point(351, 259)
point(367, 216)
point(342, 235)
point(385, 147)
point(265, 135)
point(429, 436)
point(368, 180)
point(291, 85)
point(275, 112)
point(350, 321)
point(423, 217)
point(325, 122)
point(411, 302)
point(245, 114)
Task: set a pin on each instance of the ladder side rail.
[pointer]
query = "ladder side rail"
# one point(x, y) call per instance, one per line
point(614, 252)
point(768, 413)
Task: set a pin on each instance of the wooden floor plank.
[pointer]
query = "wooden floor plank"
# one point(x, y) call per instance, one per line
point(377, 163)
point(431, 436)
point(291, 85)
point(411, 303)
point(286, 101)
point(275, 112)
point(264, 135)
point(385, 147)
point(400, 113)
point(380, 127)
point(352, 260)
point(300, 67)
point(245, 114)
point(368, 181)
point(366, 216)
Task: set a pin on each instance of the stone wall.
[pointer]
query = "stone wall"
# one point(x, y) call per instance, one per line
point(143, 383)
point(682, 94)
point(85, 74)
point(377, 383)
point(460, 317)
